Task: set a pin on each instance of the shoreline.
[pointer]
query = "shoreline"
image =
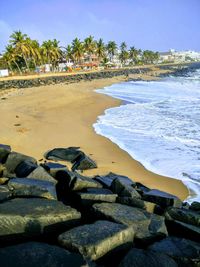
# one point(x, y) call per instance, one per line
point(76, 106)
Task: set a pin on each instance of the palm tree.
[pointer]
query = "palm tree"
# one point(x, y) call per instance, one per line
point(100, 49)
point(51, 52)
point(10, 57)
point(149, 57)
point(68, 52)
point(77, 50)
point(124, 55)
point(34, 51)
point(45, 51)
point(134, 54)
point(111, 48)
point(90, 46)
point(19, 41)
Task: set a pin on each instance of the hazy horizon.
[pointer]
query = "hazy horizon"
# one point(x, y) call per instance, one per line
point(145, 24)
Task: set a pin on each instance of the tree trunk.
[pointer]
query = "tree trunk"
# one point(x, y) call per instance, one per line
point(26, 62)
point(18, 67)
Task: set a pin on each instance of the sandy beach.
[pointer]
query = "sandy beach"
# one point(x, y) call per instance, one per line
point(38, 119)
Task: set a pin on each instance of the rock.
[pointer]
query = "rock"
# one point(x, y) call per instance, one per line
point(3, 180)
point(107, 180)
point(5, 193)
point(184, 251)
point(4, 152)
point(195, 206)
point(138, 203)
point(14, 159)
point(147, 226)
point(183, 215)
point(123, 189)
point(23, 187)
point(25, 168)
point(41, 174)
point(162, 198)
point(84, 163)
point(95, 240)
point(7, 147)
point(140, 258)
point(35, 254)
point(80, 182)
point(25, 218)
point(141, 188)
point(53, 168)
point(2, 168)
point(185, 230)
point(96, 196)
point(68, 154)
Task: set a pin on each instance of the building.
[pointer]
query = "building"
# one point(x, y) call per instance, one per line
point(179, 56)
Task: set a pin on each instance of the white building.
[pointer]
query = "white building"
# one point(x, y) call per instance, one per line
point(179, 56)
point(4, 73)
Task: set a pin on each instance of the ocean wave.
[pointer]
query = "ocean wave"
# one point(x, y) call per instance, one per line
point(159, 126)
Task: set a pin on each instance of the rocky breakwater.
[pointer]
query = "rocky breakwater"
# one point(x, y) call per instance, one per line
point(53, 215)
point(72, 78)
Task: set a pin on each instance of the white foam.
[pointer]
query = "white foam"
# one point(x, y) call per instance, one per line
point(160, 126)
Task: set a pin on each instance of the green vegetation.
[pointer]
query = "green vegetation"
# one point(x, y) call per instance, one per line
point(23, 54)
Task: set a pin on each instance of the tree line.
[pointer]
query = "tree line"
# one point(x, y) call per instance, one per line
point(23, 54)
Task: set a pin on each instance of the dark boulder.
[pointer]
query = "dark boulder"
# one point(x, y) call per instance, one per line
point(41, 174)
point(140, 258)
point(53, 168)
point(147, 226)
point(96, 195)
point(195, 206)
point(182, 229)
point(22, 187)
point(139, 203)
point(14, 159)
point(95, 240)
point(185, 252)
point(80, 182)
point(5, 193)
point(66, 154)
point(183, 215)
point(106, 180)
point(162, 198)
point(35, 254)
point(2, 168)
point(30, 217)
point(84, 163)
point(123, 189)
point(25, 168)
point(141, 188)
point(4, 152)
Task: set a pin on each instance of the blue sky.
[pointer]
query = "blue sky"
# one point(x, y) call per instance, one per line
point(147, 24)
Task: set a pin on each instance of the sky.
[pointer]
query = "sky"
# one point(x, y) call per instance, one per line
point(157, 25)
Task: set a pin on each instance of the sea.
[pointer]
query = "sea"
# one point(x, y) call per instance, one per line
point(158, 124)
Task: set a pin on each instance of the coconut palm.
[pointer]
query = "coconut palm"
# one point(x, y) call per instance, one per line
point(89, 46)
point(68, 52)
point(111, 48)
point(10, 57)
point(124, 55)
point(19, 41)
point(34, 51)
point(100, 49)
point(149, 57)
point(51, 52)
point(134, 54)
point(77, 50)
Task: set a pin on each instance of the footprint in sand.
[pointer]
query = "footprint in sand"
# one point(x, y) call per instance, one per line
point(22, 130)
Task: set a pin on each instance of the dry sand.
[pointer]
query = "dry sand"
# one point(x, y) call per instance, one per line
point(38, 119)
